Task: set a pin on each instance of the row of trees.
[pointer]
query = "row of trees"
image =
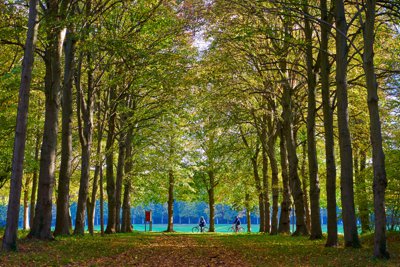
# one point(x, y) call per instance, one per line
point(254, 119)
point(284, 74)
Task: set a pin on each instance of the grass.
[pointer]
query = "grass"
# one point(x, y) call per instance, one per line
point(185, 249)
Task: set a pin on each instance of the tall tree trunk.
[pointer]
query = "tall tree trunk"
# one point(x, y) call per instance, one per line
point(332, 239)
point(85, 112)
point(316, 230)
point(305, 184)
point(110, 166)
point(378, 157)
point(171, 183)
point(10, 234)
point(41, 227)
point(92, 204)
point(294, 180)
point(25, 225)
point(211, 200)
point(261, 206)
point(62, 222)
point(284, 220)
point(101, 182)
point(265, 190)
point(361, 191)
point(346, 156)
point(119, 180)
point(274, 184)
point(248, 215)
point(126, 225)
point(34, 179)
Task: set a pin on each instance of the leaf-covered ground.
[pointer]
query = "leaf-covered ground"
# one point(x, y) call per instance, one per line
point(177, 249)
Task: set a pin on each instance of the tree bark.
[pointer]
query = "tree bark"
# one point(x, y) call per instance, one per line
point(274, 184)
point(126, 226)
point(62, 217)
point(34, 179)
point(171, 183)
point(261, 206)
point(248, 215)
point(361, 191)
point(10, 234)
point(101, 182)
point(92, 203)
point(265, 190)
point(119, 180)
point(346, 156)
point(305, 184)
point(332, 240)
point(85, 114)
point(294, 180)
point(211, 200)
point(25, 225)
point(110, 168)
point(378, 156)
point(41, 227)
point(316, 230)
point(284, 220)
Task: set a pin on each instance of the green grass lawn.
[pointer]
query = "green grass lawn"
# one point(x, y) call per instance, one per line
point(219, 228)
point(185, 249)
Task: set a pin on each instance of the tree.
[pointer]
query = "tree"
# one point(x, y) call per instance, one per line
point(10, 234)
point(332, 239)
point(346, 158)
point(378, 157)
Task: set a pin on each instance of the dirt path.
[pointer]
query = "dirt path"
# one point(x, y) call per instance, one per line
point(173, 250)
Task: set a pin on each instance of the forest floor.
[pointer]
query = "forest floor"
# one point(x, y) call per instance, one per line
point(207, 249)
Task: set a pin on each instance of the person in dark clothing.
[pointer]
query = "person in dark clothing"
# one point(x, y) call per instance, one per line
point(236, 223)
point(202, 223)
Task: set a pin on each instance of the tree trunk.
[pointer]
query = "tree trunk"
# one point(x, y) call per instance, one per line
point(274, 184)
point(101, 201)
point(62, 222)
point(346, 156)
point(304, 182)
point(316, 230)
point(294, 180)
point(361, 192)
point(248, 215)
point(171, 183)
point(10, 234)
point(261, 206)
point(378, 157)
point(126, 226)
point(120, 176)
point(34, 180)
point(211, 200)
point(26, 206)
point(85, 112)
point(264, 189)
point(110, 168)
point(284, 220)
point(92, 205)
point(332, 239)
point(90, 215)
point(41, 227)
